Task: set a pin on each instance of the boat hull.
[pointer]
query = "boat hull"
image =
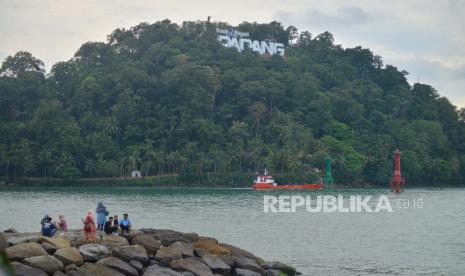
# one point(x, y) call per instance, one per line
point(268, 186)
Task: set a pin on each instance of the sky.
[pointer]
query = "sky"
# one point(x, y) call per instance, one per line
point(424, 37)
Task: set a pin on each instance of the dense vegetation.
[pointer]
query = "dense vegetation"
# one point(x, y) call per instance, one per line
point(169, 99)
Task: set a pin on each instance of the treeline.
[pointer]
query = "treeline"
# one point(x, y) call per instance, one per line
point(168, 99)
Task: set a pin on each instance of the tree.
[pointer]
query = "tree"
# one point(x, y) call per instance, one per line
point(21, 62)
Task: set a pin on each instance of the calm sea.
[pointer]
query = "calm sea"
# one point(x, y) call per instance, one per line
point(409, 241)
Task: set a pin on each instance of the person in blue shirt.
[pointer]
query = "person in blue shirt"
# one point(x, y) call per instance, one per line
point(102, 214)
point(125, 224)
point(48, 227)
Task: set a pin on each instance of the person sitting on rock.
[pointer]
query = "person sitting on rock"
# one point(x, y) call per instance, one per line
point(125, 224)
point(110, 228)
point(62, 224)
point(116, 221)
point(48, 227)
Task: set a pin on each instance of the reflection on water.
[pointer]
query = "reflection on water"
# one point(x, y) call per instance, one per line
point(427, 241)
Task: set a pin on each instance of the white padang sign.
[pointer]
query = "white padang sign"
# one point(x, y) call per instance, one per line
point(241, 41)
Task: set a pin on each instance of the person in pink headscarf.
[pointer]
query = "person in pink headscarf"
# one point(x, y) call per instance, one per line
point(90, 228)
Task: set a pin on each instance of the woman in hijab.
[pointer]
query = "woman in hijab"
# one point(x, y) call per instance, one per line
point(89, 227)
point(102, 214)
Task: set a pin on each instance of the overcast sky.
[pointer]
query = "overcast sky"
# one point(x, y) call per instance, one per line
point(424, 37)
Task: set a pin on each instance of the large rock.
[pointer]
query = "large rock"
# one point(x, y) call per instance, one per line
point(236, 251)
point(3, 242)
point(75, 237)
point(289, 270)
point(93, 252)
point(55, 242)
point(193, 265)
point(131, 252)
point(167, 237)
point(190, 237)
point(69, 255)
point(59, 273)
point(25, 270)
point(155, 270)
point(148, 242)
point(247, 263)
point(18, 239)
point(24, 250)
point(245, 272)
point(117, 264)
point(211, 247)
point(216, 264)
point(131, 235)
point(111, 241)
point(46, 263)
point(90, 269)
point(137, 265)
point(167, 254)
point(186, 249)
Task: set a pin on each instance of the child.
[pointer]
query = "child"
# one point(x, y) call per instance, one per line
point(62, 223)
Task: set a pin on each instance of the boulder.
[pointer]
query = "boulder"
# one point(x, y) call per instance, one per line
point(17, 240)
point(190, 237)
point(69, 255)
point(131, 252)
point(90, 269)
point(247, 263)
point(167, 254)
point(245, 272)
point(3, 242)
point(11, 230)
point(236, 251)
point(137, 265)
point(148, 242)
point(131, 235)
point(208, 239)
point(49, 248)
point(24, 250)
point(211, 247)
point(74, 237)
point(216, 264)
point(46, 263)
point(55, 242)
point(272, 272)
point(289, 270)
point(70, 267)
point(76, 273)
point(167, 237)
point(111, 241)
point(155, 270)
point(185, 248)
point(200, 252)
point(59, 273)
point(25, 270)
point(93, 252)
point(193, 265)
point(119, 265)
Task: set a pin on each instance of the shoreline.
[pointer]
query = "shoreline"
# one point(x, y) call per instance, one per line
point(146, 252)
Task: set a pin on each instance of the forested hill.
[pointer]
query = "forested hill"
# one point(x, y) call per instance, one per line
point(170, 99)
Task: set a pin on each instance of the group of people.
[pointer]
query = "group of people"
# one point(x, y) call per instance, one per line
point(49, 227)
point(91, 224)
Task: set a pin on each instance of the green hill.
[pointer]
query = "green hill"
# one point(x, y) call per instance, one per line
point(170, 99)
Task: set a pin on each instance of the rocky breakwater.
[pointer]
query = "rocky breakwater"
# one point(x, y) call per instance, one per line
point(146, 252)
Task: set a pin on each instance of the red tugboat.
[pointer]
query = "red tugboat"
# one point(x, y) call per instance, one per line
point(266, 181)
